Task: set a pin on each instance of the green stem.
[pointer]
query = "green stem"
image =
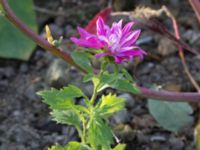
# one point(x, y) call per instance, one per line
point(83, 138)
point(94, 95)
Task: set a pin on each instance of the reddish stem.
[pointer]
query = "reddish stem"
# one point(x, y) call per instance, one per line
point(196, 7)
point(181, 54)
point(159, 95)
point(35, 37)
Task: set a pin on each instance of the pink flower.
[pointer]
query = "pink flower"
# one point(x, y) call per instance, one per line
point(116, 41)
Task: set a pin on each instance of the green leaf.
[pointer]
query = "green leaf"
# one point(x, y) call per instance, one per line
point(127, 75)
point(61, 99)
point(81, 59)
point(13, 43)
point(99, 134)
point(111, 104)
point(116, 81)
point(172, 116)
point(88, 77)
point(69, 117)
point(77, 146)
point(119, 147)
point(126, 86)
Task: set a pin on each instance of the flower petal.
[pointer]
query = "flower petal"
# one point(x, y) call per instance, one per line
point(83, 33)
point(101, 27)
point(89, 43)
point(130, 39)
point(127, 28)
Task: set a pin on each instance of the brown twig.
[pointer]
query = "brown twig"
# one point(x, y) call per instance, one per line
point(180, 49)
point(196, 7)
point(159, 95)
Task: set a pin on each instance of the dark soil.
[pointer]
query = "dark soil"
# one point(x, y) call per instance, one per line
point(25, 123)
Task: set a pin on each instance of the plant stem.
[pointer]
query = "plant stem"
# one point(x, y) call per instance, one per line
point(148, 93)
point(83, 138)
point(196, 7)
point(94, 95)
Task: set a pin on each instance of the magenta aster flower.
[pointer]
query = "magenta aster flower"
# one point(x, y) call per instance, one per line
point(116, 41)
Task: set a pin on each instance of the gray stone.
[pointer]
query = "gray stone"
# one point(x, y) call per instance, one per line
point(58, 74)
point(130, 102)
point(158, 138)
point(176, 144)
point(121, 117)
point(23, 68)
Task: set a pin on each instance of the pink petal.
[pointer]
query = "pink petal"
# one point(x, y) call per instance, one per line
point(116, 27)
point(100, 26)
point(131, 38)
point(83, 33)
point(118, 60)
point(132, 53)
point(91, 43)
point(127, 28)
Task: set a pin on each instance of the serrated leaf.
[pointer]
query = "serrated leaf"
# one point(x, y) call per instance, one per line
point(61, 99)
point(77, 146)
point(13, 43)
point(99, 134)
point(172, 116)
point(111, 104)
point(119, 147)
point(69, 117)
point(81, 59)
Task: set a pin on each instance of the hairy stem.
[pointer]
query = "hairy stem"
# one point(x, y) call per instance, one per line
point(148, 93)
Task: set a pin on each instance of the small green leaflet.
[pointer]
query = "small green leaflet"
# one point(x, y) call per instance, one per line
point(100, 134)
point(110, 104)
point(77, 146)
point(69, 117)
point(61, 99)
point(81, 59)
point(172, 116)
